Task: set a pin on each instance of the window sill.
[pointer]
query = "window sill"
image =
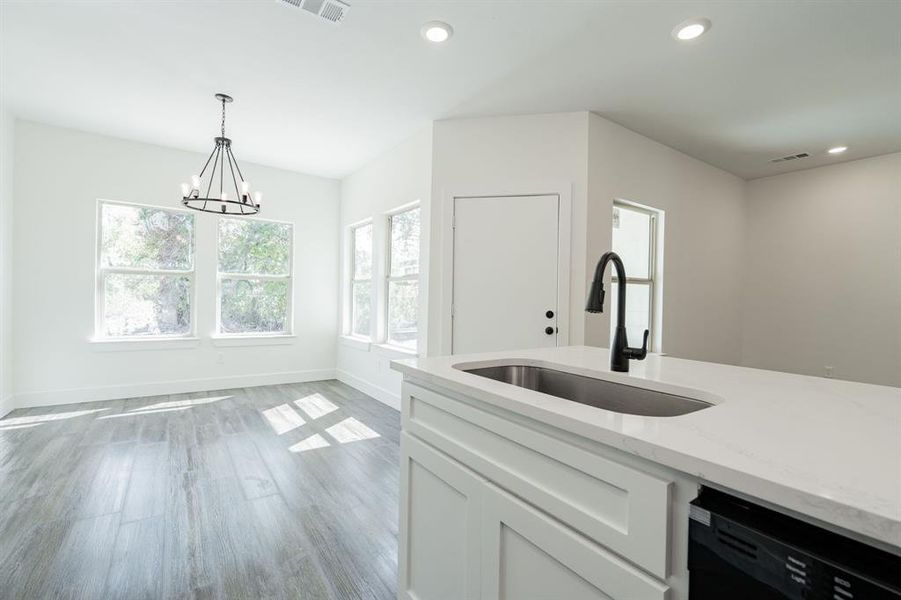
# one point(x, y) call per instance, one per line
point(354, 342)
point(277, 339)
point(394, 351)
point(125, 344)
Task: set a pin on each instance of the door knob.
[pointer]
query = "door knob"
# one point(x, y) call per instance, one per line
point(549, 314)
point(549, 330)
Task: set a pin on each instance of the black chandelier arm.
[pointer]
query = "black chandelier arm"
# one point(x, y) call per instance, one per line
point(222, 166)
point(206, 164)
point(213, 172)
point(231, 167)
point(237, 166)
point(232, 159)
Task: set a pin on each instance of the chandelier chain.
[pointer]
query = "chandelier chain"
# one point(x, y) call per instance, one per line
point(223, 117)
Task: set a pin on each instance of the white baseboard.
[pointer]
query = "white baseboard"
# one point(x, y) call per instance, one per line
point(7, 405)
point(379, 393)
point(184, 386)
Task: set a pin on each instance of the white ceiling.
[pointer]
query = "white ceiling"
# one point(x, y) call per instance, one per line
point(769, 79)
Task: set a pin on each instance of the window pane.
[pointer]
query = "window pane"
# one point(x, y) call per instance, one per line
point(252, 306)
point(403, 310)
point(136, 305)
point(362, 266)
point(638, 311)
point(254, 247)
point(632, 240)
point(405, 243)
point(362, 308)
point(146, 238)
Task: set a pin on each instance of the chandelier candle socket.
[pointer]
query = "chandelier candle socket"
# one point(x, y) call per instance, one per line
point(221, 158)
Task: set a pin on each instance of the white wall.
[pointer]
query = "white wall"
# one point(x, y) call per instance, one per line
point(59, 175)
point(703, 238)
point(497, 155)
point(823, 271)
point(7, 132)
point(400, 176)
point(602, 161)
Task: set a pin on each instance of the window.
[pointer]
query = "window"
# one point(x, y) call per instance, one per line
point(145, 272)
point(254, 276)
point(403, 279)
point(635, 240)
point(361, 280)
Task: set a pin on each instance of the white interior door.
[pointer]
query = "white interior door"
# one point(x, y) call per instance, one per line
point(505, 278)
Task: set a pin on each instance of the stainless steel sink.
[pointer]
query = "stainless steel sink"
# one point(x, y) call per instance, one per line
point(611, 396)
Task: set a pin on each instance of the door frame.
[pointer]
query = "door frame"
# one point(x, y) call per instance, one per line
point(563, 191)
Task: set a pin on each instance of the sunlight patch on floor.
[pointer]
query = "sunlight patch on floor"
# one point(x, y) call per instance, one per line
point(283, 418)
point(311, 443)
point(315, 405)
point(11, 427)
point(169, 406)
point(138, 413)
point(38, 419)
point(180, 403)
point(351, 430)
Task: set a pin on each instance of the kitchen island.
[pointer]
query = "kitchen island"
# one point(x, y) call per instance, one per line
point(513, 487)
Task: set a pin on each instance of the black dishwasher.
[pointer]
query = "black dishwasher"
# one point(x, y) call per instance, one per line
point(741, 551)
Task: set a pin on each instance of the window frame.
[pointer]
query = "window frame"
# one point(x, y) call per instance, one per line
point(388, 279)
point(289, 277)
point(352, 279)
point(653, 276)
point(100, 273)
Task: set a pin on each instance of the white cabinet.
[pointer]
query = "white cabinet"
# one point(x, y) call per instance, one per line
point(617, 506)
point(527, 555)
point(439, 526)
point(494, 507)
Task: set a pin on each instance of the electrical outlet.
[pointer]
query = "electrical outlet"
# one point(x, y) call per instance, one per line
point(220, 358)
point(829, 370)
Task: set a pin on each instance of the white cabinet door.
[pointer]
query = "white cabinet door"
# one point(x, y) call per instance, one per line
point(505, 273)
point(439, 526)
point(617, 506)
point(528, 555)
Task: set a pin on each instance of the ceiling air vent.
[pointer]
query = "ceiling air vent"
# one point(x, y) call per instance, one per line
point(332, 11)
point(789, 157)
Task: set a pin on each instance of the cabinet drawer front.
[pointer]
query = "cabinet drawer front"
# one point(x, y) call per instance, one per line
point(439, 526)
point(527, 555)
point(620, 507)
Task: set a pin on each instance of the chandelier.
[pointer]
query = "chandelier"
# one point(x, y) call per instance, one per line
point(221, 158)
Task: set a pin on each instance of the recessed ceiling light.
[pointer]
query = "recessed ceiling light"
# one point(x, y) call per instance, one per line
point(437, 31)
point(691, 29)
point(837, 150)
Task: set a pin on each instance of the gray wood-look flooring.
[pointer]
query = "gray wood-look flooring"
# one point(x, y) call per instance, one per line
point(287, 491)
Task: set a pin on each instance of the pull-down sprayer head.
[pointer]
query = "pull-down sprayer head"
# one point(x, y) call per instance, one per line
point(595, 302)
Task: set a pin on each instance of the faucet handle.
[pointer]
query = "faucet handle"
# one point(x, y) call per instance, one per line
point(638, 353)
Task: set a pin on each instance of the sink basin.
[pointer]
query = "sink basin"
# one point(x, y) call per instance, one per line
point(600, 393)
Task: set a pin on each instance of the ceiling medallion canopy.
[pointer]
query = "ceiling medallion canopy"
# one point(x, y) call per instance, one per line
point(202, 197)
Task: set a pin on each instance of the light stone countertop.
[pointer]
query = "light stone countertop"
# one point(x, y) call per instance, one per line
point(824, 448)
